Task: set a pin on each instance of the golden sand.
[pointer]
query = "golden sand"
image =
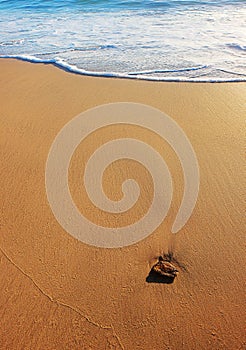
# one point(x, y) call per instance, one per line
point(59, 293)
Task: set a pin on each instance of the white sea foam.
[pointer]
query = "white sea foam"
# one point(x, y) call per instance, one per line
point(136, 75)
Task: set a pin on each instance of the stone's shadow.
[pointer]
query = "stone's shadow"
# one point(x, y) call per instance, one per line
point(154, 277)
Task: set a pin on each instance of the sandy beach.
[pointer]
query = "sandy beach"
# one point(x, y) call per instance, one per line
point(59, 293)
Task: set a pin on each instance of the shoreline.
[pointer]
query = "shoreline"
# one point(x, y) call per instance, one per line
point(60, 293)
point(131, 76)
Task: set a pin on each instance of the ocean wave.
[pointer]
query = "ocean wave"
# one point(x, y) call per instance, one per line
point(230, 72)
point(74, 49)
point(155, 71)
point(204, 43)
point(12, 42)
point(110, 5)
point(137, 75)
point(237, 47)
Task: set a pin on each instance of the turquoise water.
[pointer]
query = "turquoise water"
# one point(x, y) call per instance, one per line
point(158, 40)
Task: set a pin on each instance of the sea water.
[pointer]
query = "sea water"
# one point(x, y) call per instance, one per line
point(187, 40)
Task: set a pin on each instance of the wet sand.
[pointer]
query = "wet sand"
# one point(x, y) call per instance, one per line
point(59, 293)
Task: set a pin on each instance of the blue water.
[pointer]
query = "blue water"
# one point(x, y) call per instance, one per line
point(157, 40)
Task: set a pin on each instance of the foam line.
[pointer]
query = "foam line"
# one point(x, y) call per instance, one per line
point(139, 76)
